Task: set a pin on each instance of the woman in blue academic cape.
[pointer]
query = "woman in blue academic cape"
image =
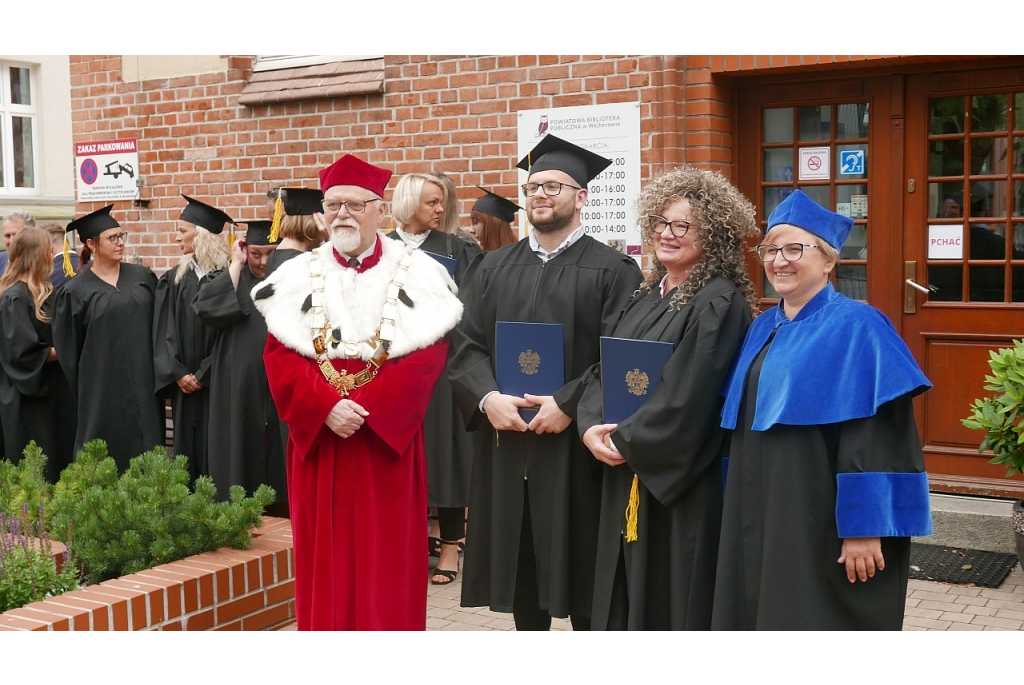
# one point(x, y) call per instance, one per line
point(826, 480)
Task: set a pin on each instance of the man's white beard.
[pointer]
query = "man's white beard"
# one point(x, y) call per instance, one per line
point(345, 240)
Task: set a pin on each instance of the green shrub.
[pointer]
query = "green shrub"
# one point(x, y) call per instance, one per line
point(28, 572)
point(147, 515)
point(24, 484)
point(1000, 415)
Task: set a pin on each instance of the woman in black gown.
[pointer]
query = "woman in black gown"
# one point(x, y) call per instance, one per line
point(103, 333)
point(182, 343)
point(419, 205)
point(35, 400)
point(667, 456)
point(298, 229)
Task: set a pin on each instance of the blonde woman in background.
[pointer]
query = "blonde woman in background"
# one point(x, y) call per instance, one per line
point(420, 204)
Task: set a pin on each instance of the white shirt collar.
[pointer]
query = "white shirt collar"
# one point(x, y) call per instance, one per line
point(544, 255)
point(412, 240)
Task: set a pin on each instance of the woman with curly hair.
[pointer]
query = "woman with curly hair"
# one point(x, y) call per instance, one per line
point(182, 343)
point(665, 460)
point(35, 398)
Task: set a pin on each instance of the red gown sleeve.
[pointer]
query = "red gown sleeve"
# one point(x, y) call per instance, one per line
point(396, 399)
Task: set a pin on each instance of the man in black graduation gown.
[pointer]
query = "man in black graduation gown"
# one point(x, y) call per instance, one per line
point(245, 446)
point(536, 491)
point(182, 343)
point(103, 334)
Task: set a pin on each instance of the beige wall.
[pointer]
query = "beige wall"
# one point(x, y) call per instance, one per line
point(145, 67)
point(55, 162)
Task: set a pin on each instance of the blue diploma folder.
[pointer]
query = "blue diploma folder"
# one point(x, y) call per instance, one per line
point(630, 372)
point(446, 262)
point(529, 358)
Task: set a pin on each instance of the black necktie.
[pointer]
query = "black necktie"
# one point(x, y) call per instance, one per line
point(354, 263)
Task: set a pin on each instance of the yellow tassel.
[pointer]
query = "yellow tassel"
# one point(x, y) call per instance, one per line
point(68, 269)
point(231, 238)
point(631, 510)
point(391, 225)
point(275, 227)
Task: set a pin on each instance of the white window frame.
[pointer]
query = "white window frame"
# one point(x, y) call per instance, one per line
point(272, 62)
point(7, 112)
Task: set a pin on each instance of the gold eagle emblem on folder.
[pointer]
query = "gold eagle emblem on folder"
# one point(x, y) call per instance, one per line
point(529, 362)
point(637, 382)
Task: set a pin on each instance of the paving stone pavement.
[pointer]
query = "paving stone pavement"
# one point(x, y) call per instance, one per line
point(930, 606)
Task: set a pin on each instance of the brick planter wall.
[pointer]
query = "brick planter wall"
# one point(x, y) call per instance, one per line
point(229, 589)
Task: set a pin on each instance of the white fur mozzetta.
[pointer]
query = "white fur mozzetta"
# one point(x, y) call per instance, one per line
point(353, 302)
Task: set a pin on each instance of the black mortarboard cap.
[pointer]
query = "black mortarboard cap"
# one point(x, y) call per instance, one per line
point(560, 155)
point(204, 215)
point(92, 224)
point(302, 201)
point(496, 206)
point(258, 232)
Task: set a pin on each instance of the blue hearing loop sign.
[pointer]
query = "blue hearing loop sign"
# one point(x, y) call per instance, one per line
point(851, 162)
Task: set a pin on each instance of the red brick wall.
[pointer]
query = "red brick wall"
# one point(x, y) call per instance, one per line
point(229, 589)
point(446, 113)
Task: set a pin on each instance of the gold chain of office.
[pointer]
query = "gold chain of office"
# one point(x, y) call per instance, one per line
point(320, 327)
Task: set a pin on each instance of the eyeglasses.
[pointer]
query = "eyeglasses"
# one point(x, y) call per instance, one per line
point(118, 237)
point(791, 252)
point(551, 188)
point(353, 206)
point(658, 224)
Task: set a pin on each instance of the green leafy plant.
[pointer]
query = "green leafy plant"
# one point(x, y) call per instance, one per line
point(28, 571)
point(24, 484)
point(147, 515)
point(999, 415)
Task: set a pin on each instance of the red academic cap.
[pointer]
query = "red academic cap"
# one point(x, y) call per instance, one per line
point(352, 171)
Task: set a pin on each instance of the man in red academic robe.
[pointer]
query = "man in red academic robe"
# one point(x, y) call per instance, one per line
point(357, 339)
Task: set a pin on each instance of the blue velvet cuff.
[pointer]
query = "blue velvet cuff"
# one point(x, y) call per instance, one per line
point(870, 505)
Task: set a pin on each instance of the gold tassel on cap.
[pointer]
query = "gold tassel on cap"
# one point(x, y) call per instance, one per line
point(631, 510)
point(275, 227)
point(68, 269)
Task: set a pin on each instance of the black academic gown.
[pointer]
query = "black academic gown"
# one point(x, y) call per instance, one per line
point(104, 340)
point(278, 257)
point(183, 344)
point(449, 446)
point(245, 444)
point(35, 399)
point(584, 288)
point(777, 565)
point(665, 579)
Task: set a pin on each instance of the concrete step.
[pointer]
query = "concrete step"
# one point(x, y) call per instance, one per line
point(971, 522)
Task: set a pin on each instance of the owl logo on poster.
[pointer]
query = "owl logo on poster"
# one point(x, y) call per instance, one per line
point(637, 382)
point(529, 362)
point(542, 127)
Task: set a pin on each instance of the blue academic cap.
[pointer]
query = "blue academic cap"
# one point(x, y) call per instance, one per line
point(801, 211)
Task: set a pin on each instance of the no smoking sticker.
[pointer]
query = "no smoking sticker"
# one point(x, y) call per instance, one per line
point(815, 164)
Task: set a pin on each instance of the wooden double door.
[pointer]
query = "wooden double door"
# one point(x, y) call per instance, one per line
point(930, 165)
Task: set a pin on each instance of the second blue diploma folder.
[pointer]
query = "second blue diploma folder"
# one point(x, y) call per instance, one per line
point(446, 262)
point(630, 371)
point(529, 358)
